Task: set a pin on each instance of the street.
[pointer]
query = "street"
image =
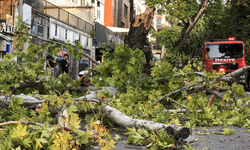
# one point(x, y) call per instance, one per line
point(209, 141)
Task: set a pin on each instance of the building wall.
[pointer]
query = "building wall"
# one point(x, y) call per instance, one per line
point(5, 8)
point(85, 13)
point(114, 13)
point(125, 20)
point(110, 13)
point(81, 8)
point(60, 31)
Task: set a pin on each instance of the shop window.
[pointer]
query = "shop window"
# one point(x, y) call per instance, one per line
point(125, 11)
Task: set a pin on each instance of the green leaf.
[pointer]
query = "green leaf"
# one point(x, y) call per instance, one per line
point(117, 137)
point(19, 131)
point(40, 141)
point(71, 109)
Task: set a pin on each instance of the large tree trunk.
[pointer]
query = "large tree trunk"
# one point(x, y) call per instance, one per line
point(125, 121)
point(188, 28)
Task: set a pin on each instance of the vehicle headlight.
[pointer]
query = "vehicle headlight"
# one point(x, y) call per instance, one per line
point(242, 81)
point(243, 76)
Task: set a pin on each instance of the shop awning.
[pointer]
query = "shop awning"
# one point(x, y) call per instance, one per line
point(117, 29)
point(5, 37)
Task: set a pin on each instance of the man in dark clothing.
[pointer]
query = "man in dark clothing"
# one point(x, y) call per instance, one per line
point(51, 66)
point(65, 63)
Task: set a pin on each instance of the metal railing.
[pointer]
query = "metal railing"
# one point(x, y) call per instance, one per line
point(60, 14)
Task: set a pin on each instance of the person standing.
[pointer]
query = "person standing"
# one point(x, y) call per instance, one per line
point(65, 63)
point(51, 66)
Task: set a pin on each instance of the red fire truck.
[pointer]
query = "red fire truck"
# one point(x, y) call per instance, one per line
point(225, 55)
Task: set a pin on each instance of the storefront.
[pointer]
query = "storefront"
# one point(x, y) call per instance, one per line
point(6, 44)
point(6, 33)
point(62, 33)
point(84, 62)
point(104, 35)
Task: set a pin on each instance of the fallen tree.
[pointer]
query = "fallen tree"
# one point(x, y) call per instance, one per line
point(158, 109)
point(112, 113)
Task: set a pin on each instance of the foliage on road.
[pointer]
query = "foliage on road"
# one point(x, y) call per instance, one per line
point(140, 95)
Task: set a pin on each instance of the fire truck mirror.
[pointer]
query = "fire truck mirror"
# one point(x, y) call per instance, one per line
point(207, 48)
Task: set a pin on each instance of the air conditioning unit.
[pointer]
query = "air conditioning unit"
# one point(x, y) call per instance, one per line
point(3, 44)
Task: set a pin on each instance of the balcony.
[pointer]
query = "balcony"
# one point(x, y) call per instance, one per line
point(61, 14)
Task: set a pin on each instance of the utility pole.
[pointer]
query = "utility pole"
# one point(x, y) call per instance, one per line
point(20, 8)
point(20, 13)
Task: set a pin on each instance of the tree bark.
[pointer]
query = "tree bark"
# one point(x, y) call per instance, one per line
point(125, 121)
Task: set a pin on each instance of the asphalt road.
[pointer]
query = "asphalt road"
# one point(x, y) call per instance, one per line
point(239, 141)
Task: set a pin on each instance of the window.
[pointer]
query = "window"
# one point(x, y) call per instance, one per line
point(218, 51)
point(55, 30)
point(66, 32)
point(82, 2)
point(158, 21)
point(98, 14)
point(125, 11)
point(40, 31)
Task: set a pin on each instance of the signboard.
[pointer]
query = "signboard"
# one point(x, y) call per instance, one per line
point(6, 28)
point(84, 59)
point(61, 53)
point(9, 20)
point(27, 15)
point(34, 29)
point(115, 39)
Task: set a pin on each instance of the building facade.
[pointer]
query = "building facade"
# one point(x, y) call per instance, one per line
point(84, 9)
point(8, 11)
point(104, 35)
point(48, 21)
point(117, 13)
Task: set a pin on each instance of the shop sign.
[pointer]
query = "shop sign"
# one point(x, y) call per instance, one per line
point(113, 38)
point(61, 53)
point(84, 59)
point(7, 28)
point(34, 29)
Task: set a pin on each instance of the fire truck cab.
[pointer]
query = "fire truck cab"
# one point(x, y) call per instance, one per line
point(226, 55)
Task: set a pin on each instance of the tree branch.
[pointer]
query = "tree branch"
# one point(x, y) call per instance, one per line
point(176, 91)
point(22, 122)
